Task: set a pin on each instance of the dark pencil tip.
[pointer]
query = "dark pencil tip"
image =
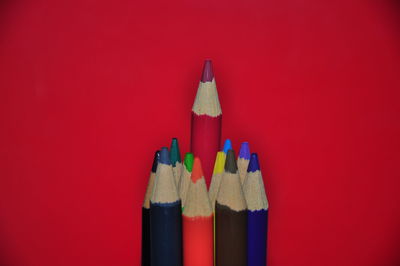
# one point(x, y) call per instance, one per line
point(164, 156)
point(253, 164)
point(230, 163)
point(155, 161)
point(175, 154)
point(208, 73)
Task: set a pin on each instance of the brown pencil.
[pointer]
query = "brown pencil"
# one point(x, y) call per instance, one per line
point(231, 218)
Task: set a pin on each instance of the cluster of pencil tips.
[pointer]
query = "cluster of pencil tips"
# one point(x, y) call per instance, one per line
point(184, 222)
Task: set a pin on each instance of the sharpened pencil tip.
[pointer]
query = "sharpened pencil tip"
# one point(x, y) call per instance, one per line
point(227, 146)
point(230, 163)
point(208, 73)
point(175, 155)
point(188, 161)
point(164, 156)
point(244, 151)
point(155, 161)
point(253, 164)
point(197, 172)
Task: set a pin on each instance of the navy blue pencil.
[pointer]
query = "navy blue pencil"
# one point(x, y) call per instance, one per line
point(257, 214)
point(165, 216)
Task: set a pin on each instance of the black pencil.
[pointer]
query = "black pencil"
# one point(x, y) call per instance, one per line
point(146, 213)
point(165, 216)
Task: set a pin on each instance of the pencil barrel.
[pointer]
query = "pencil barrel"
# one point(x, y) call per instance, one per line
point(205, 141)
point(166, 234)
point(145, 237)
point(257, 223)
point(198, 241)
point(230, 236)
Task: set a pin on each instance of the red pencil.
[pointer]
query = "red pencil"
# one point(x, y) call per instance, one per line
point(206, 122)
point(197, 219)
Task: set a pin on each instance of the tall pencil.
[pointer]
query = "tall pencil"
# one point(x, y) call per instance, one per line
point(197, 222)
point(243, 160)
point(185, 177)
point(216, 177)
point(231, 218)
point(146, 213)
point(165, 216)
point(257, 219)
point(175, 157)
point(206, 121)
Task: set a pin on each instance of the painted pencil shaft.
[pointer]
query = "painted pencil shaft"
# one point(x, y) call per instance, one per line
point(146, 237)
point(231, 236)
point(257, 238)
point(205, 141)
point(166, 234)
point(198, 241)
point(146, 214)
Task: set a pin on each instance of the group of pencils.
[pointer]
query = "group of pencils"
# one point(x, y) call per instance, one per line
point(184, 222)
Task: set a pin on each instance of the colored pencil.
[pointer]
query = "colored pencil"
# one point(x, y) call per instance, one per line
point(165, 216)
point(227, 146)
point(231, 218)
point(243, 160)
point(185, 177)
point(257, 219)
point(215, 183)
point(146, 213)
point(197, 222)
point(175, 157)
point(216, 177)
point(206, 121)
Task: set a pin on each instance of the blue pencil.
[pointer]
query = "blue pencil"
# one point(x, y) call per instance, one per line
point(257, 214)
point(165, 216)
point(243, 160)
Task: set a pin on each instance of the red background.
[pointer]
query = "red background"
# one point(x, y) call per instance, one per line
point(89, 89)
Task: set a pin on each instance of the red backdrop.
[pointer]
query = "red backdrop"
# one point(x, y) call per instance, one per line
point(89, 89)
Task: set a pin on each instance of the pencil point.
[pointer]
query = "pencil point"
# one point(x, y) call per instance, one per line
point(208, 73)
point(253, 165)
point(244, 151)
point(188, 161)
point(175, 155)
point(155, 161)
point(227, 146)
point(230, 163)
point(197, 172)
point(164, 156)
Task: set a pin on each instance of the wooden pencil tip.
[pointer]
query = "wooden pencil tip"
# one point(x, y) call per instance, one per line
point(164, 156)
point(253, 164)
point(230, 163)
point(227, 146)
point(244, 152)
point(155, 161)
point(175, 155)
point(197, 171)
point(208, 73)
point(188, 161)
